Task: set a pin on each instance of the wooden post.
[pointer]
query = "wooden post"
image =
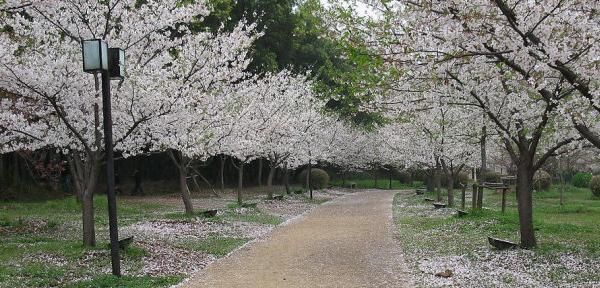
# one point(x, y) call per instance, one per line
point(474, 197)
point(480, 197)
point(464, 191)
point(504, 199)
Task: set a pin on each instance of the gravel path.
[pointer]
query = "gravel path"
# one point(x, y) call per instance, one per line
point(347, 242)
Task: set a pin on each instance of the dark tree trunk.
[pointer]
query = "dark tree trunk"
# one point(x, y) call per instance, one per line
point(89, 231)
point(185, 191)
point(390, 178)
point(2, 173)
point(525, 173)
point(222, 173)
point(181, 164)
point(474, 197)
point(310, 188)
point(463, 195)
point(450, 188)
point(376, 180)
point(272, 170)
point(286, 180)
point(240, 183)
point(260, 169)
point(437, 179)
point(429, 181)
point(85, 178)
point(483, 155)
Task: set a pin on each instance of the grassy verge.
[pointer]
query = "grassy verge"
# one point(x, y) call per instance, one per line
point(568, 244)
point(40, 244)
point(109, 281)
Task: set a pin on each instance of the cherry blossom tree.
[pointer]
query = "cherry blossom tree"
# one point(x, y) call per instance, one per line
point(204, 91)
point(529, 66)
point(55, 105)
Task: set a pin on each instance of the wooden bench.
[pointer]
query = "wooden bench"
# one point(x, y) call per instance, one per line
point(501, 244)
point(438, 205)
point(125, 242)
point(277, 197)
point(428, 200)
point(462, 213)
point(209, 213)
point(420, 191)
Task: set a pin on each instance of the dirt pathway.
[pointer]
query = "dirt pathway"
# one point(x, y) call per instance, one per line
point(344, 243)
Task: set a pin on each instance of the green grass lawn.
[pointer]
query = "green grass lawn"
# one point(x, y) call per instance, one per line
point(569, 229)
point(32, 231)
point(573, 226)
point(381, 184)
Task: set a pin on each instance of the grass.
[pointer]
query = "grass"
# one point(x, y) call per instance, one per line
point(110, 281)
point(381, 184)
point(571, 228)
point(253, 215)
point(52, 228)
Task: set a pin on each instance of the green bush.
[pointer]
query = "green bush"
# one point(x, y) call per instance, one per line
point(581, 179)
point(595, 185)
point(405, 177)
point(541, 180)
point(492, 177)
point(319, 178)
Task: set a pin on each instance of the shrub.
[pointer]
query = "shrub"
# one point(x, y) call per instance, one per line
point(405, 177)
point(492, 177)
point(541, 180)
point(319, 178)
point(595, 185)
point(581, 179)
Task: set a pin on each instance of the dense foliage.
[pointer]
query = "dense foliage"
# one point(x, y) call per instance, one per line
point(581, 179)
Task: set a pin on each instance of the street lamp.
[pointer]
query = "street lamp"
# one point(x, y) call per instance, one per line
point(110, 63)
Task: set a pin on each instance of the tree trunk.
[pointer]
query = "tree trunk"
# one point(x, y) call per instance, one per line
point(260, 169)
point(272, 170)
point(2, 176)
point(286, 180)
point(181, 164)
point(437, 179)
point(89, 231)
point(85, 178)
point(376, 180)
point(474, 197)
point(463, 196)
point(240, 183)
point(390, 177)
point(310, 188)
point(525, 200)
point(222, 173)
point(483, 155)
point(343, 179)
point(429, 181)
point(185, 191)
point(450, 188)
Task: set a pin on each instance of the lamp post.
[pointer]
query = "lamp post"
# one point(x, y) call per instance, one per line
point(110, 63)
